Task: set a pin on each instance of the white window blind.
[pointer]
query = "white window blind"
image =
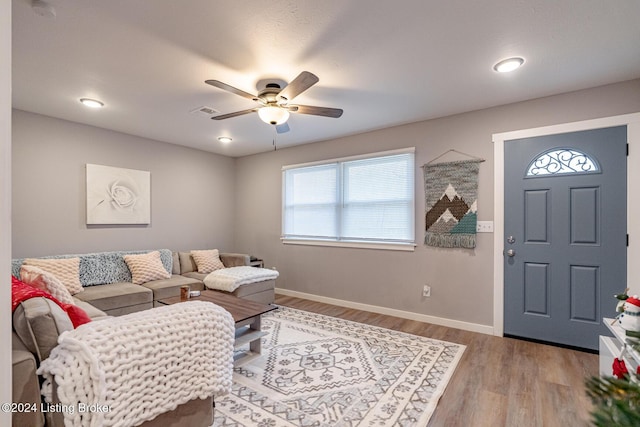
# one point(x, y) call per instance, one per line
point(364, 199)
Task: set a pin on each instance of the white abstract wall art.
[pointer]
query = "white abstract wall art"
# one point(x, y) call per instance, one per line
point(118, 195)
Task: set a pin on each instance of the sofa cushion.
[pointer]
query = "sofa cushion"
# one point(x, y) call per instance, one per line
point(207, 260)
point(121, 311)
point(116, 295)
point(187, 264)
point(40, 279)
point(66, 270)
point(93, 312)
point(171, 287)
point(176, 263)
point(38, 322)
point(196, 275)
point(146, 267)
point(234, 260)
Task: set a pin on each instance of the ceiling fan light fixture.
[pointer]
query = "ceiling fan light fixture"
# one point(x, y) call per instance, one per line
point(273, 115)
point(509, 64)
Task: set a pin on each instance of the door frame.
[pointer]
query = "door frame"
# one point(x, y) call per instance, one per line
point(632, 121)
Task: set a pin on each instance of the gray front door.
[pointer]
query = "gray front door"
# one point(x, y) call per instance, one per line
point(565, 234)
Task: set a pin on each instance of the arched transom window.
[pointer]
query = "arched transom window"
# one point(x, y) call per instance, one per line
point(562, 161)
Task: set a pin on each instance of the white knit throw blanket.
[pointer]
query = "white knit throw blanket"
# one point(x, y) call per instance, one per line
point(230, 279)
point(142, 364)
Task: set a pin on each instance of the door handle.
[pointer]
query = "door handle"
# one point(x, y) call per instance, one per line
point(511, 252)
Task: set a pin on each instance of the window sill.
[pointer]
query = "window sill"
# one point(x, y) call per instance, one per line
point(407, 247)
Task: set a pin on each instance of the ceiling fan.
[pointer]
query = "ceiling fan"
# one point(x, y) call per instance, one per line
point(274, 100)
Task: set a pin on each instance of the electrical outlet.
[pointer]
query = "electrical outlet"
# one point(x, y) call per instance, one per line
point(426, 291)
point(484, 227)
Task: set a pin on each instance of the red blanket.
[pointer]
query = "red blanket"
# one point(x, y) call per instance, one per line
point(20, 291)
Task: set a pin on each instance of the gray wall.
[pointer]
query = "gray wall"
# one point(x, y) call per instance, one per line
point(461, 280)
point(203, 200)
point(192, 192)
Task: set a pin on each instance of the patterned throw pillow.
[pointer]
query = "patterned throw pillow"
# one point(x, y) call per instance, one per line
point(67, 270)
point(207, 261)
point(40, 279)
point(146, 267)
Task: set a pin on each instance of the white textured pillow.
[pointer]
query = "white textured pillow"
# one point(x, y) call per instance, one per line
point(67, 270)
point(146, 267)
point(207, 261)
point(38, 278)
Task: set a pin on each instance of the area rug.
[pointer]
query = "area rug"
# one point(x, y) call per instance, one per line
point(317, 370)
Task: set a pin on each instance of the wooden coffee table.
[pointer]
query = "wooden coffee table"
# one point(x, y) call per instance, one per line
point(246, 314)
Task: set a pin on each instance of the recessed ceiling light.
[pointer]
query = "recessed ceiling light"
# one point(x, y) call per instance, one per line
point(91, 103)
point(225, 139)
point(509, 64)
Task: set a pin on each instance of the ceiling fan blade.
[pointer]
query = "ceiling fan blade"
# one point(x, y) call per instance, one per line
point(236, 114)
point(283, 128)
point(228, 88)
point(316, 111)
point(301, 83)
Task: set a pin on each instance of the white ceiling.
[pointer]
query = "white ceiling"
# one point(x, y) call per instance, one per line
point(385, 63)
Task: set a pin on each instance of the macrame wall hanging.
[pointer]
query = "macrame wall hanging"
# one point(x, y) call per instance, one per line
point(451, 202)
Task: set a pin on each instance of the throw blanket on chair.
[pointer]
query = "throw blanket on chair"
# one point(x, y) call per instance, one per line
point(142, 364)
point(230, 279)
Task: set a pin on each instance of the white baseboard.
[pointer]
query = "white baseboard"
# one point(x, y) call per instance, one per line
point(466, 326)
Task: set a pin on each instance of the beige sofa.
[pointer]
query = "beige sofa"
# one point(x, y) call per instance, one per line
point(38, 322)
point(110, 289)
point(263, 292)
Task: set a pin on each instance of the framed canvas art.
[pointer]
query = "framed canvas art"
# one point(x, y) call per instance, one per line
point(118, 195)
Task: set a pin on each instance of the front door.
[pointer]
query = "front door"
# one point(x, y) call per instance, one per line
point(565, 234)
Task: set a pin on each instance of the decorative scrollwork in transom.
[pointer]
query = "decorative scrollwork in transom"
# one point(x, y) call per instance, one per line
point(562, 161)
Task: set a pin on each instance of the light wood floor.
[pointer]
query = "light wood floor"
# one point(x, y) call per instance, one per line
point(499, 381)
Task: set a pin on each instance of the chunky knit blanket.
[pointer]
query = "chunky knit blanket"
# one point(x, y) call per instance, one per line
point(135, 367)
point(230, 279)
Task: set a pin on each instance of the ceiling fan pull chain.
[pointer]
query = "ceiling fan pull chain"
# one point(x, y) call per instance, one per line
point(275, 136)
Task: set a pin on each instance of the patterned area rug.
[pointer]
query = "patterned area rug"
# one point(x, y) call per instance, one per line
point(322, 371)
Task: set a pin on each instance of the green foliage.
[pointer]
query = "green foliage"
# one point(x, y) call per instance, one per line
point(617, 402)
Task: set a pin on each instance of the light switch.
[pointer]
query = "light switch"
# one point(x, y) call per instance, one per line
point(484, 226)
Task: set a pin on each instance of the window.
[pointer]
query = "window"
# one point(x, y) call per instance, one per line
point(363, 201)
point(560, 161)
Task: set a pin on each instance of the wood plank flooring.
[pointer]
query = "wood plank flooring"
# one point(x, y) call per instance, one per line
point(499, 381)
